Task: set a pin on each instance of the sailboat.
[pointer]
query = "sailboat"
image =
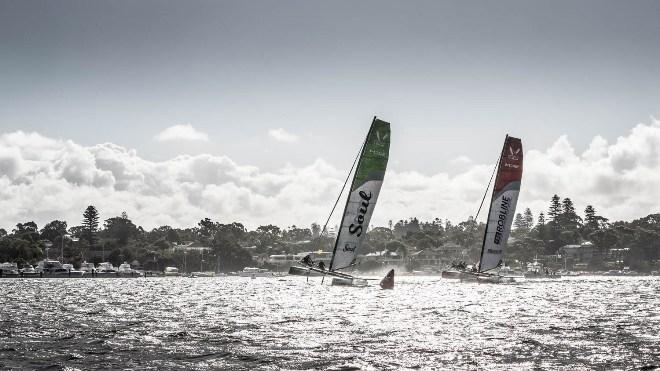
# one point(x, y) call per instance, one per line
point(500, 216)
point(360, 204)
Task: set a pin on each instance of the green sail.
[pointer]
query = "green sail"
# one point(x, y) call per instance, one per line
point(363, 195)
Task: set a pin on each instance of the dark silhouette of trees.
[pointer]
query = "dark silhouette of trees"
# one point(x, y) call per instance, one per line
point(90, 225)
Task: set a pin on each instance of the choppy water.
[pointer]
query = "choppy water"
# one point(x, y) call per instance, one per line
point(238, 323)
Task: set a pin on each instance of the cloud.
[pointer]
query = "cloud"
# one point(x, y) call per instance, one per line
point(282, 135)
point(42, 179)
point(181, 132)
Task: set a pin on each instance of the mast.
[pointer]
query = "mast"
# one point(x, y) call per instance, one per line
point(363, 194)
point(502, 205)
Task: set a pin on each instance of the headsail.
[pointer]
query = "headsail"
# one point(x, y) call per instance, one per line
point(363, 195)
point(503, 204)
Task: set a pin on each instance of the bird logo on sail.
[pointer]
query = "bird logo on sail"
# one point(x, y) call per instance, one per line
point(513, 155)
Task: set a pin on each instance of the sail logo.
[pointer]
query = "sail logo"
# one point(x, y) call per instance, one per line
point(501, 219)
point(348, 247)
point(362, 211)
point(378, 136)
point(513, 155)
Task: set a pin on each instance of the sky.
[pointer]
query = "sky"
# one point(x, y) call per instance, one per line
point(253, 111)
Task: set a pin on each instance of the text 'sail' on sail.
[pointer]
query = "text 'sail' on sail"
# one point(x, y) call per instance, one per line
point(363, 195)
point(503, 204)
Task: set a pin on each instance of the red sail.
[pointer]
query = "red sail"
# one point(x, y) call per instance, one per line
point(388, 282)
point(503, 204)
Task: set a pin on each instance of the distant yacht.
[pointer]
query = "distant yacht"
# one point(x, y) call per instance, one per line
point(72, 271)
point(203, 274)
point(106, 269)
point(171, 272)
point(88, 268)
point(125, 270)
point(9, 270)
point(536, 270)
point(29, 271)
point(53, 268)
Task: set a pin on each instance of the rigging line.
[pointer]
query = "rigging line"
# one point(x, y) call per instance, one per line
point(488, 187)
point(342, 190)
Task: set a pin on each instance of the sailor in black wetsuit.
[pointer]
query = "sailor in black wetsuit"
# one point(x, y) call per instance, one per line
point(307, 260)
point(322, 266)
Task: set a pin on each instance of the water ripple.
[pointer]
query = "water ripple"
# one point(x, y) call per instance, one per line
point(234, 323)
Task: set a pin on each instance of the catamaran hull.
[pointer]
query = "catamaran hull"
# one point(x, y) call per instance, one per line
point(541, 276)
point(451, 274)
point(303, 271)
point(338, 278)
point(476, 277)
point(354, 282)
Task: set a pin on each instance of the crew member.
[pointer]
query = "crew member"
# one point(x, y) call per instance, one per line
point(307, 260)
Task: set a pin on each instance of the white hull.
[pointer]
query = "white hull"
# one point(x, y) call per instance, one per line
point(256, 274)
point(354, 282)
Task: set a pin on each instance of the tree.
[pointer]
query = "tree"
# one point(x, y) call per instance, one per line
point(53, 230)
point(519, 223)
point(569, 220)
point(393, 246)
point(316, 230)
point(268, 235)
point(207, 227)
point(592, 221)
point(90, 225)
point(529, 219)
point(541, 233)
point(172, 236)
point(554, 224)
point(555, 209)
point(27, 231)
point(120, 228)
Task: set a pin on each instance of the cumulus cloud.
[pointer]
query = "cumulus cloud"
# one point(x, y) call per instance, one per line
point(282, 135)
point(42, 179)
point(181, 132)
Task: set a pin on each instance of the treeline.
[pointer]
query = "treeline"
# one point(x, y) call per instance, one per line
point(635, 243)
point(231, 246)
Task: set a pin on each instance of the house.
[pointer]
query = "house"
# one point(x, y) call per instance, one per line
point(581, 253)
point(439, 256)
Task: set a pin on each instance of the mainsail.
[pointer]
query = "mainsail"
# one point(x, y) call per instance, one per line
point(503, 204)
point(363, 195)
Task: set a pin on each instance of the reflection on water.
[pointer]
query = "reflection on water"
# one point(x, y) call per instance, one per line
point(239, 323)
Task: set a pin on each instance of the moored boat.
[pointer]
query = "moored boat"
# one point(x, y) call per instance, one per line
point(106, 269)
point(171, 272)
point(55, 269)
point(536, 271)
point(203, 274)
point(125, 270)
point(28, 271)
point(9, 270)
point(72, 271)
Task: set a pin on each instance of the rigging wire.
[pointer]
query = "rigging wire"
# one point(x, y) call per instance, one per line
point(488, 187)
point(342, 189)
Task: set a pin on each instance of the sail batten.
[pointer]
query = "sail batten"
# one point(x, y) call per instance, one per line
point(363, 195)
point(503, 204)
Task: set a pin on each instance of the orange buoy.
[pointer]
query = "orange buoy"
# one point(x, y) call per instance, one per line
point(388, 282)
